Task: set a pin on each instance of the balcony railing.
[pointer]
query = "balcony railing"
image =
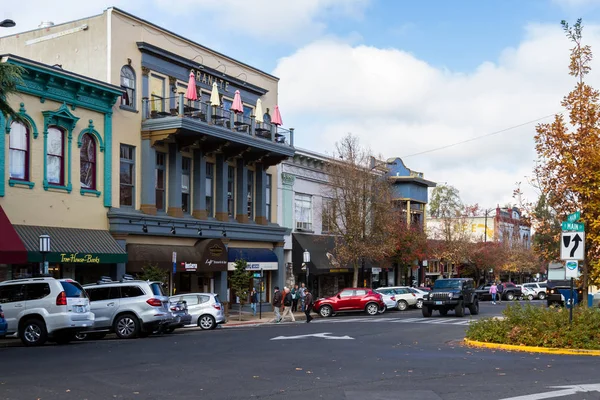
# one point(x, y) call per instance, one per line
point(178, 107)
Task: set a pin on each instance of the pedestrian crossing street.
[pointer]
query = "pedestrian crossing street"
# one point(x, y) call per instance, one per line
point(432, 321)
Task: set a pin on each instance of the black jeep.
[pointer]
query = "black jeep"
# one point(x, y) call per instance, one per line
point(451, 294)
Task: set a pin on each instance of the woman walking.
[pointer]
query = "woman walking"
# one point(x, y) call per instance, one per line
point(493, 291)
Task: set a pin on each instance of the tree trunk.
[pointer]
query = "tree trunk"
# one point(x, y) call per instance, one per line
point(355, 277)
point(240, 310)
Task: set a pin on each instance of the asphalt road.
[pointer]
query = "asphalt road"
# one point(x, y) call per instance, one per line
point(391, 356)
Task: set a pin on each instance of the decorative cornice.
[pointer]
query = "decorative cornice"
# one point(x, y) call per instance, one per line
point(145, 71)
point(287, 179)
point(23, 113)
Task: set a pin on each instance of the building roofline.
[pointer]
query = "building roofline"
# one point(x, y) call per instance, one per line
point(125, 13)
point(49, 68)
point(415, 179)
point(53, 26)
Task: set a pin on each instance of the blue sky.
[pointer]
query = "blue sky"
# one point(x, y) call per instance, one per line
point(404, 76)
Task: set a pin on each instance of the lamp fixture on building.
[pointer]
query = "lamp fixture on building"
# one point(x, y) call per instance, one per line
point(173, 231)
point(199, 231)
point(44, 249)
point(145, 228)
point(305, 261)
point(7, 23)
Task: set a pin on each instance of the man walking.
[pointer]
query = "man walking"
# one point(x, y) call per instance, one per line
point(500, 289)
point(277, 305)
point(302, 292)
point(308, 305)
point(287, 305)
point(253, 301)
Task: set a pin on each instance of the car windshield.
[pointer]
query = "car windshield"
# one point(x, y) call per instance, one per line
point(446, 284)
point(157, 288)
point(73, 289)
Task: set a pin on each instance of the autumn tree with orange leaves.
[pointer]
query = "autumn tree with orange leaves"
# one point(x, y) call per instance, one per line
point(568, 168)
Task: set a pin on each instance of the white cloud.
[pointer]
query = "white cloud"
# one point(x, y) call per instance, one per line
point(399, 105)
point(271, 20)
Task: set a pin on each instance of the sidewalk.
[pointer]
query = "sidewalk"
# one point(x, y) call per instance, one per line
point(233, 319)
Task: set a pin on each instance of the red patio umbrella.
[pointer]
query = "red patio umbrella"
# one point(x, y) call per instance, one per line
point(191, 93)
point(276, 120)
point(237, 106)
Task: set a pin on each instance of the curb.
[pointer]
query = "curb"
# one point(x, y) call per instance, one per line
point(532, 349)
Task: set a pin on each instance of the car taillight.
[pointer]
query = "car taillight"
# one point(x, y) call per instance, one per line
point(413, 295)
point(61, 299)
point(217, 306)
point(1, 315)
point(154, 302)
point(393, 298)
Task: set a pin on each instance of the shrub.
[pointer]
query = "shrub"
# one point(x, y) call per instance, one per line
point(540, 326)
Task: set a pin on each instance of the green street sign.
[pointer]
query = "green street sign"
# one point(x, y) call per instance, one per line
point(574, 217)
point(573, 226)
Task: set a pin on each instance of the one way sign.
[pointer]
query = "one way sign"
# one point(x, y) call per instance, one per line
point(572, 246)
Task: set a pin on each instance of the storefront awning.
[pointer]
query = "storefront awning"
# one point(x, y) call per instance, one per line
point(12, 249)
point(257, 259)
point(205, 256)
point(72, 245)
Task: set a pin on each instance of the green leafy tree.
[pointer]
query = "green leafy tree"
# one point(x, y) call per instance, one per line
point(239, 282)
point(10, 78)
point(445, 202)
point(152, 272)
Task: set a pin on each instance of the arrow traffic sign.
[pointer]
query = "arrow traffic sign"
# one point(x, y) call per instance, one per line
point(572, 246)
point(574, 217)
point(573, 226)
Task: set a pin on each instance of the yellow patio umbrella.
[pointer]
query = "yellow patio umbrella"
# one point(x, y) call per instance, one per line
point(214, 95)
point(258, 111)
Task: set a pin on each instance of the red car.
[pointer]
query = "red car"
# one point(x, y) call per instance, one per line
point(350, 299)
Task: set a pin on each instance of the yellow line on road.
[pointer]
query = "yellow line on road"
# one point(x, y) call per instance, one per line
point(532, 349)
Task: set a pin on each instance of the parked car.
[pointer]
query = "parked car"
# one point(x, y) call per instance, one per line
point(3, 324)
point(554, 289)
point(389, 299)
point(420, 296)
point(205, 309)
point(404, 296)
point(129, 308)
point(180, 315)
point(350, 299)
point(538, 287)
point(527, 293)
point(510, 292)
point(45, 309)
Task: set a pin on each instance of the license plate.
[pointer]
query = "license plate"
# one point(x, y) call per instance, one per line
point(437, 303)
point(79, 309)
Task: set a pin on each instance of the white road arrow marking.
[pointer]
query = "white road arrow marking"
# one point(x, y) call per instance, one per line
point(566, 391)
point(317, 335)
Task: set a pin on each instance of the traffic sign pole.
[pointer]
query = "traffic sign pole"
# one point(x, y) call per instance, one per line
point(572, 303)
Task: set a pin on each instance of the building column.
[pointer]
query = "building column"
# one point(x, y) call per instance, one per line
point(221, 188)
point(408, 213)
point(241, 192)
point(199, 185)
point(287, 181)
point(221, 285)
point(148, 165)
point(278, 277)
point(260, 208)
point(174, 189)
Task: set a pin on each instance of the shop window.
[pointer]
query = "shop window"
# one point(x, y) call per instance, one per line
point(127, 176)
point(160, 180)
point(19, 151)
point(268, 196)
point(128, 86)
point(55, 156)
point(303, 211)
point(186, 166)
point(209, 188)
point(250, 194)
point(230, 190)
point(87, 172)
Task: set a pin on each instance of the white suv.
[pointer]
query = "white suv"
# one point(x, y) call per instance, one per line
point(129, 308)
point(539, 289)
point(41, 309)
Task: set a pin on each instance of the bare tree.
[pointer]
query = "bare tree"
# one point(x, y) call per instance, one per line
point(359, 207)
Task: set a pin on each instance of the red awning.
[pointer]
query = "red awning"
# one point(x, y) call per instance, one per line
point(12, 249)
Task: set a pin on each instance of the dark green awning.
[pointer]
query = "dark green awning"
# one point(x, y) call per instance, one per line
point(72, 245)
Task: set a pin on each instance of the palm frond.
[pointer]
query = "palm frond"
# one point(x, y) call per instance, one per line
point(10, 78)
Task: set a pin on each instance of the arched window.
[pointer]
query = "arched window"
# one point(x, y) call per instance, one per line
point(55, 157)
point(87, 160)
point(19, 151)
point(128, 85)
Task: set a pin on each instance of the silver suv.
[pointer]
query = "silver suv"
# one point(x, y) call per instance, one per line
point(129, 308)
point(41, 309)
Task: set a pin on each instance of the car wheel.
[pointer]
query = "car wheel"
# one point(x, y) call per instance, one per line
point(459, 310)
point(126, 326)
point(33, 332)
point(426, 311)
point(382, 309)
point(474, 307)
point(530, 297)
point(207, 322)
point(510, 296)
point(64, 338)
point(325, 311)
point(80, 336)
point(402, 305)
point(372, 309)
point(419, 303)
point(541, 295)
point(443, 312)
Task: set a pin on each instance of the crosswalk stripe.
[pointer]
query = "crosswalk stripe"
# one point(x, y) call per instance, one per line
point(435, 321)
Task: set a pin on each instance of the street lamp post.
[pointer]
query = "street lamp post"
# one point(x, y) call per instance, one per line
point(44, 249)
point(7, 23)
point(306, 260)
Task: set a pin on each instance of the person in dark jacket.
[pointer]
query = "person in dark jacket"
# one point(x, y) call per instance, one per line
point(308, 302)
point(500, 291)
point(277, 304)
point(253, 301)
